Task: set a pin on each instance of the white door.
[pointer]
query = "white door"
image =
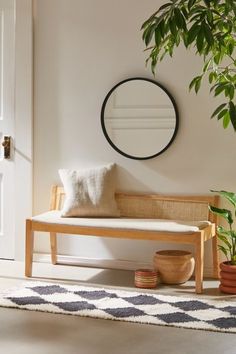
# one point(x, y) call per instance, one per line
point(7, 111)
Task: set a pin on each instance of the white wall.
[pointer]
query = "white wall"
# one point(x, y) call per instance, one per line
point(83, 48)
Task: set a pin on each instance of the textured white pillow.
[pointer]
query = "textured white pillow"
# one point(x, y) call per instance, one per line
point(90, 192)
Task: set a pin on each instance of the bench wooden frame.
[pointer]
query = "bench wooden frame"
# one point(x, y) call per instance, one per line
point(197, 238)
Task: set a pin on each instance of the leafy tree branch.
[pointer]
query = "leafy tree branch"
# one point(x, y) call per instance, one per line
point(210, 27)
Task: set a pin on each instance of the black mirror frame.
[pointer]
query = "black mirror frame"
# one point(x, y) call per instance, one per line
point(104, 128)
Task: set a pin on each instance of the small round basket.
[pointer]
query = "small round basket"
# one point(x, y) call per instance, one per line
point(146, 278)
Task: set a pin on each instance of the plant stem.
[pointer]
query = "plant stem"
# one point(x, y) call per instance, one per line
point(233, 244)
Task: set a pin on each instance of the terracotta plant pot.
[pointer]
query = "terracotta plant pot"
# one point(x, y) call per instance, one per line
point(227, 278)
point(174, 267)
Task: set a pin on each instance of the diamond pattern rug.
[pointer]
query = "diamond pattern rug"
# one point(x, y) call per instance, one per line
point(131, 306)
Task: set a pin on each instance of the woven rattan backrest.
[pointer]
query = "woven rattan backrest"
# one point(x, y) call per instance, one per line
point(166, 207)
point(154, 205)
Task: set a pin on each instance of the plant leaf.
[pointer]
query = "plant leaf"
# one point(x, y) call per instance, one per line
point(208, 35)
point(222, 113)
point(224, 250)
point(179, 18)
point(225, 241)
point(224, 213)
point(232, 113)
point(226, 120)
point(193, 32)
point(221, 230)
point(218, 109)
point(200, 40)
point(212, 76)
point(149, 34)
point(198, 84)
point(230, 196)
point(219, 89)
point(157, 37)
point(149, 20)
point(191, 3)
point(173, 28)
point(165, 6)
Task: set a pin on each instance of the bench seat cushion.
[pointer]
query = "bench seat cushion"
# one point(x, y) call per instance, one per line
point(159, 225)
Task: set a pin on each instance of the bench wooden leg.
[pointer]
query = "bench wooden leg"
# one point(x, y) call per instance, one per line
point(215, 257)
point(29, 244)
point(53, 242)
point(199, 260)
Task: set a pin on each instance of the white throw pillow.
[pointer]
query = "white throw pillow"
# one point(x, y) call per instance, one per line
point(90, 192)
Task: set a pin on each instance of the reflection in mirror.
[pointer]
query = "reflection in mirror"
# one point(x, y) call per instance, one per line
point(139, 118)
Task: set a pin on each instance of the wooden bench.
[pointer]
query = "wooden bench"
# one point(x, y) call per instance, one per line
point(135, 207)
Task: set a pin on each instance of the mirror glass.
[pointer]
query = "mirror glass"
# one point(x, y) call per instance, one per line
point(139, 118)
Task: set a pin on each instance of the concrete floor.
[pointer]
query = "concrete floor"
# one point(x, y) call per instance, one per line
point(28, 332)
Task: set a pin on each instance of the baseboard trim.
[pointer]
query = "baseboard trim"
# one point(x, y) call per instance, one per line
point(101, 263)
point(42, 266)
point(92, 262)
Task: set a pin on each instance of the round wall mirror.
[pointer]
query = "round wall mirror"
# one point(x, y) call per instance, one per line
point(139, 118)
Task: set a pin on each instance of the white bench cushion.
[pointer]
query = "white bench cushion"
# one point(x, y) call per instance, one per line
point(163, 225)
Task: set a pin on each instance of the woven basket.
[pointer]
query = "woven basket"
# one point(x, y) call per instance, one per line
point(146, 278)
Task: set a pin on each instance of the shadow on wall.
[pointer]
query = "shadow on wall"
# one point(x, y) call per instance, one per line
point(127, 182)
point(143, 251)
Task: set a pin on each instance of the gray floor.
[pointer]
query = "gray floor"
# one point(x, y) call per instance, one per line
point(28, 332)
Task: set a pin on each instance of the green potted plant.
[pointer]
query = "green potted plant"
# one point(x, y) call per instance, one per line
point(227, 237)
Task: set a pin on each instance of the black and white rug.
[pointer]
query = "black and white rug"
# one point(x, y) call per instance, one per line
point(122, 305)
